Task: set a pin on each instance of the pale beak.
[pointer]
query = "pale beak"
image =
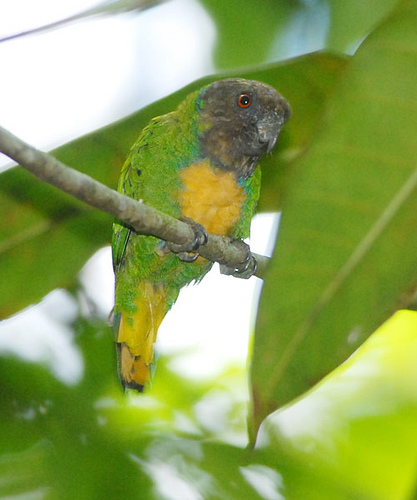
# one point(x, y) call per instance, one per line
point(269, 129)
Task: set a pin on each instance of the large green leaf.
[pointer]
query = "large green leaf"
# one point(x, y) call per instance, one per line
point(306, 82)
point(346, 255)
point(356, 429)
point(48, 236)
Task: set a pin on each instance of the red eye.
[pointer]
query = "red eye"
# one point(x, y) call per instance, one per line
point(244, 100)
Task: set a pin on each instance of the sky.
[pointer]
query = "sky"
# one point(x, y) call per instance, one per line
point(66, 82)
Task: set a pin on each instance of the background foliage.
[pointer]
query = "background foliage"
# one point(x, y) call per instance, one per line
point(345, 177)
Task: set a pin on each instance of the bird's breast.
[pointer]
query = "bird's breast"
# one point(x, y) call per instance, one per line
point(211, 197)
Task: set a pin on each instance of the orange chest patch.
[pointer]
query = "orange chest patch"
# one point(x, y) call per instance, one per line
point(212, 199)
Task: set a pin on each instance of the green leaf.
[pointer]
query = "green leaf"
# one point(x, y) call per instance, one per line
point(356, 429)
point(251, 32)
point(246, 30)
point(46, 239)
point(58, 438)
point(306, 82)
point(49, 235)
point(351, 20)
point(92, 441)
point(346, 255)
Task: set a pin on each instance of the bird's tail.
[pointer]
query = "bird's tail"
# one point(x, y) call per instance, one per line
point(136, 336)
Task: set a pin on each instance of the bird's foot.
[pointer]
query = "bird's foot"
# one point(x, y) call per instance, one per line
point(188, 252)
point(248, 266)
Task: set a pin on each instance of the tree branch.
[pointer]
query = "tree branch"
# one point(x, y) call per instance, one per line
point(142, 218)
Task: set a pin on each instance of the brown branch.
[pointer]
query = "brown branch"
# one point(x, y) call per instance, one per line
point(142, 218)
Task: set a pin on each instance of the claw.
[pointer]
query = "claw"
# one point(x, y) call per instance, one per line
point(251, 265)
point(188, 256)
point(248, 267)
point(188, 252)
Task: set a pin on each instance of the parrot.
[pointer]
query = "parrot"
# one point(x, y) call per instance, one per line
point(199, 164)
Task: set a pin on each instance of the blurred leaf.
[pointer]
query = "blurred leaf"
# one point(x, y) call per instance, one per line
point(23, 473)
point(246, 29)
point(347, 250)
point(267, 30)
point(357, 426)
point(92, 440)
point(48, 235)
point(46, 238)
point(63, 429)
point(352, 20)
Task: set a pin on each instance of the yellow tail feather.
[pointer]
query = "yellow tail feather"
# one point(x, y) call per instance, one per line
point(137, 335)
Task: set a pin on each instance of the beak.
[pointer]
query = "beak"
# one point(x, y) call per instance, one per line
point(269, 129)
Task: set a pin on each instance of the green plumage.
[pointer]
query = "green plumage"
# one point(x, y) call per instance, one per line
point(150, 173)
point(206, 128)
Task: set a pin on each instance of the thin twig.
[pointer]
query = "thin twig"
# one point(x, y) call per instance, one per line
point(107, 7)
point(138, 216)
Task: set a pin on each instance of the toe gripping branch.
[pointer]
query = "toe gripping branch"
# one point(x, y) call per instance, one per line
point(249, 264)
point(188, 252)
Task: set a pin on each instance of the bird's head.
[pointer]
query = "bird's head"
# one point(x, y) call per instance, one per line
point(239, 121)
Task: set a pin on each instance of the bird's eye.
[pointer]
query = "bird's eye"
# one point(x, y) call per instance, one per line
point(244, 100)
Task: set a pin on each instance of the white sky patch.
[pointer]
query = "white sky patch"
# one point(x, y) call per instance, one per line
point(41, 334)
point(211, 321)
point(176, 41)
point(63, 83)
point(97, 279)
point(60, 84)
point(264, 480)
point(171, 486)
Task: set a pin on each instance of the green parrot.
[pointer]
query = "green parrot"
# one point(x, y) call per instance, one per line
point(198, 163)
